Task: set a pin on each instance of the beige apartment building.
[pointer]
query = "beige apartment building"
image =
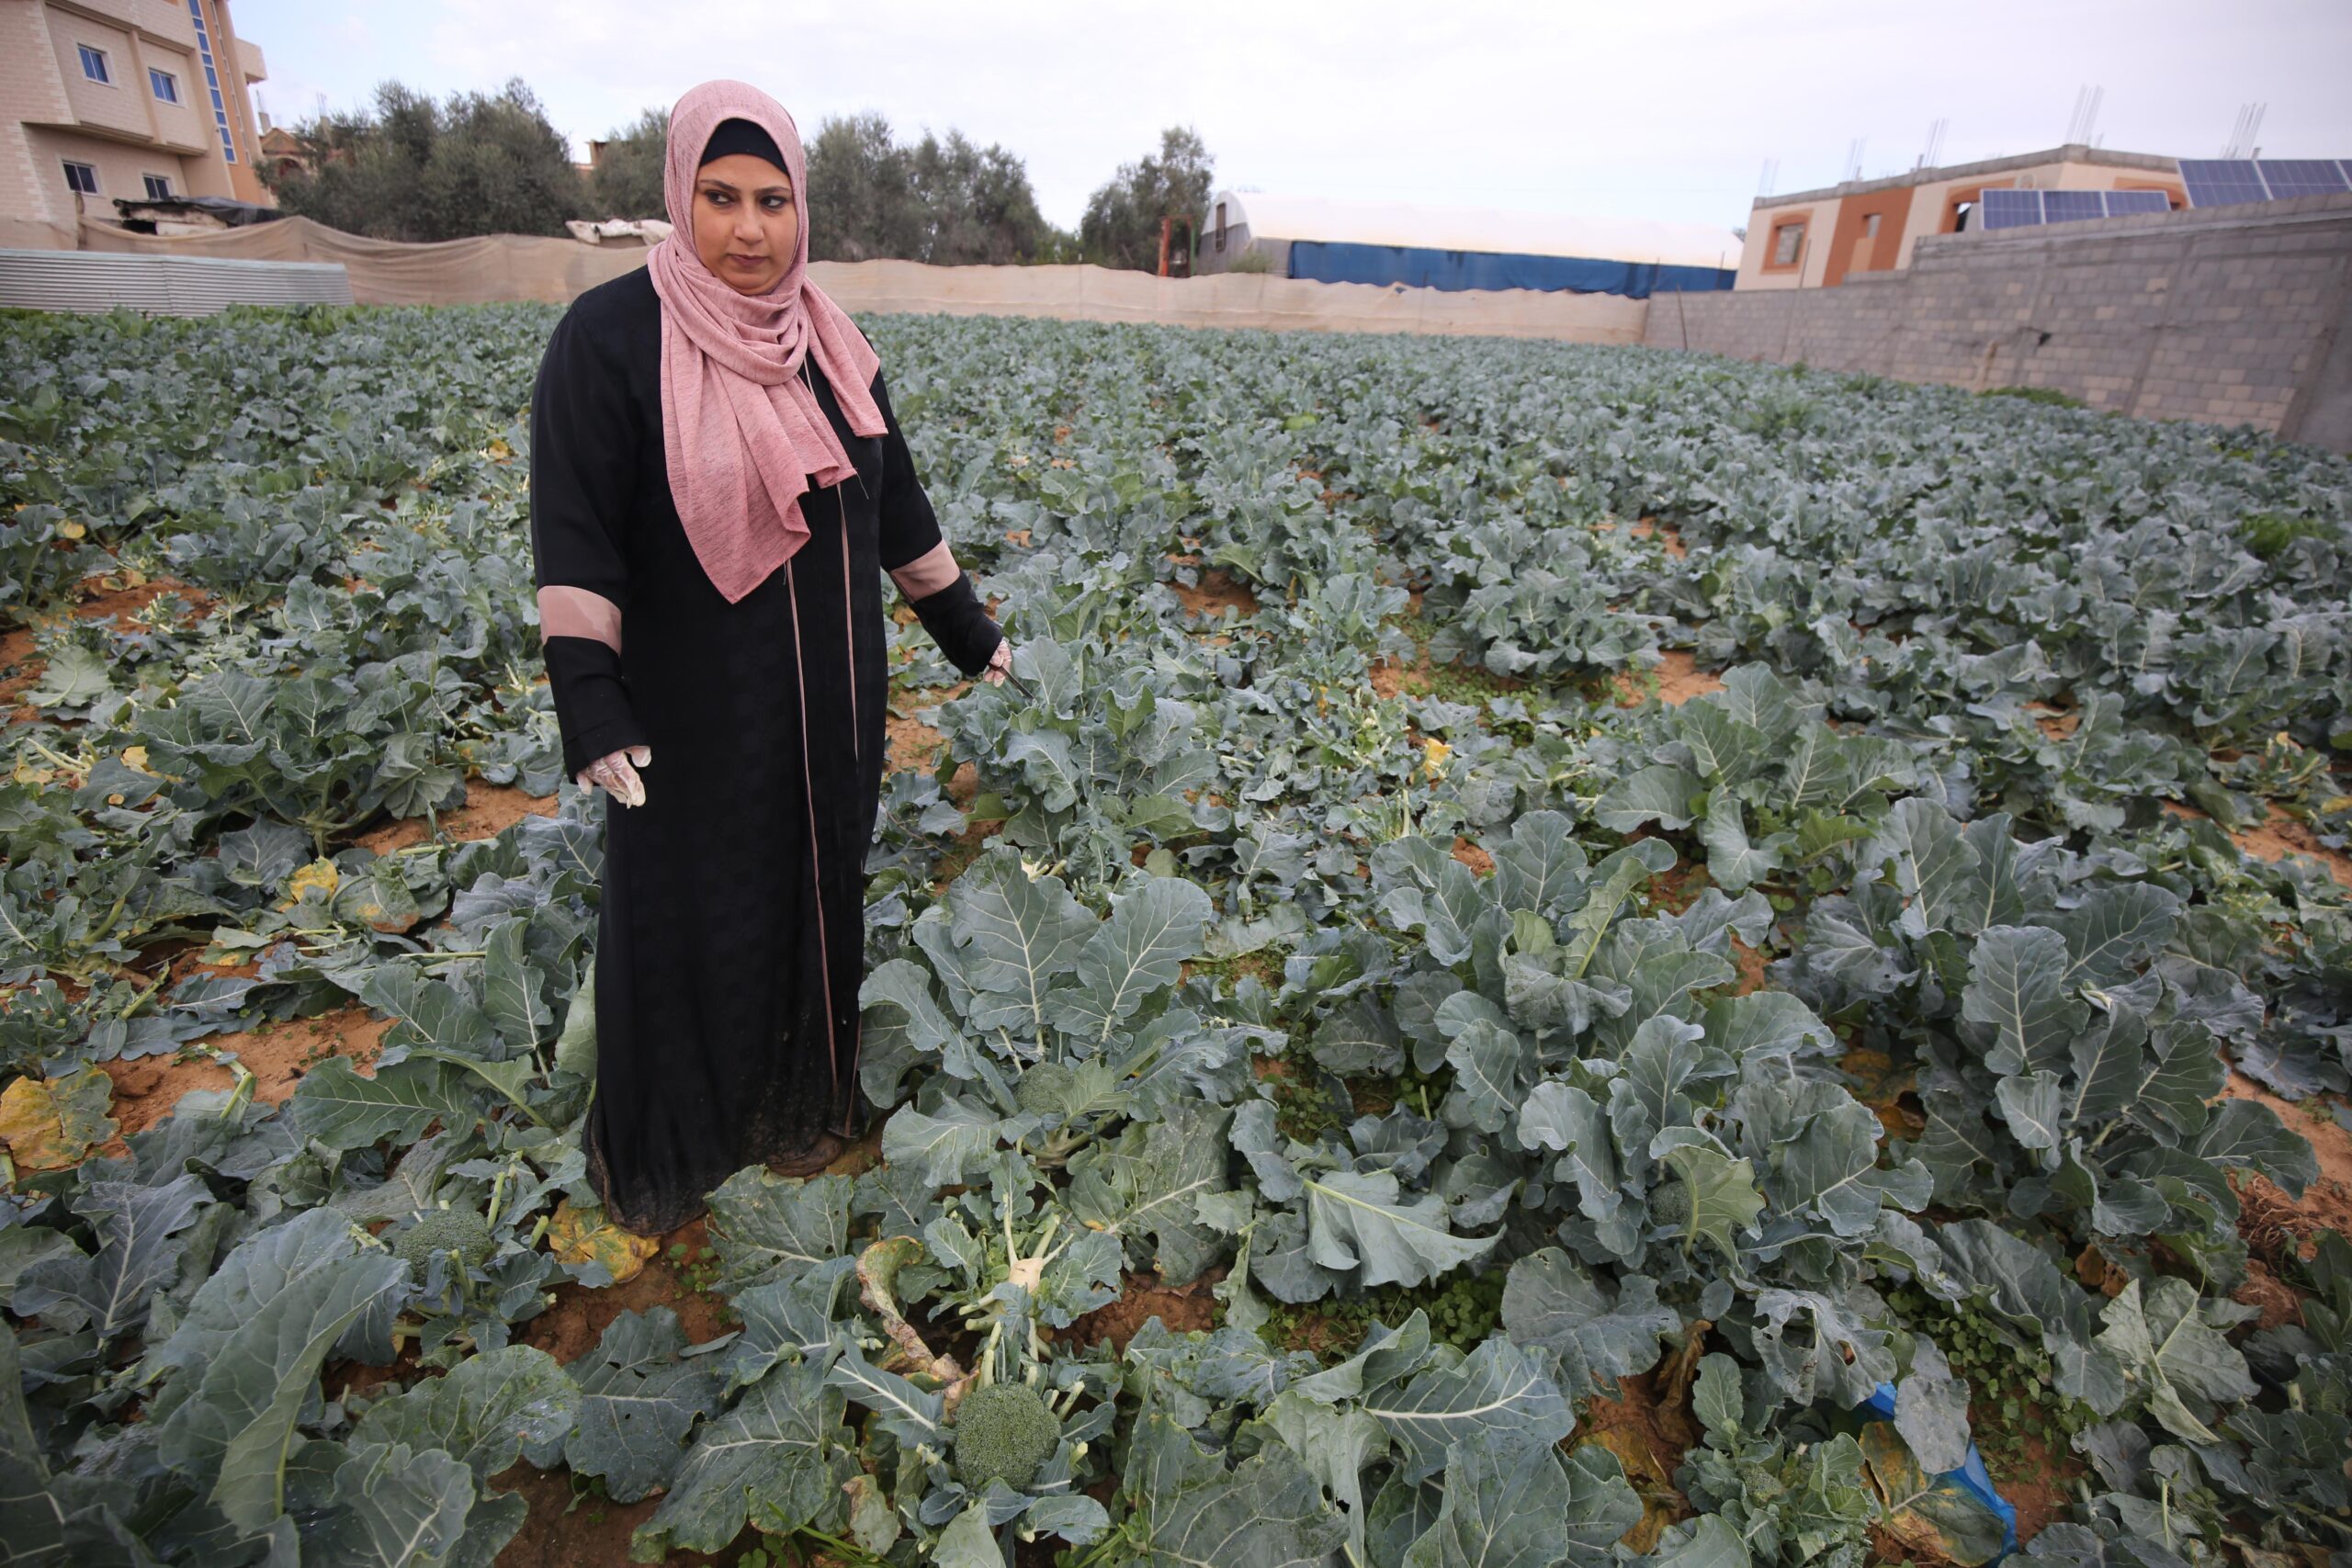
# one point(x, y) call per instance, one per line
point(107, 99)
point(1816, 239)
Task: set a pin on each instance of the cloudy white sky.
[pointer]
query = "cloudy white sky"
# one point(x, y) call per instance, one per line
point(1625, 109)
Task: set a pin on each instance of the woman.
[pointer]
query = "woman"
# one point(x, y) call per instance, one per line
point(716, 476)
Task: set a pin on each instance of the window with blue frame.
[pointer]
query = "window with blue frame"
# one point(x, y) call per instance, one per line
point(94, 64)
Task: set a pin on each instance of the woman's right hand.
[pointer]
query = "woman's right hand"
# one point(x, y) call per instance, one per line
point(616, 772)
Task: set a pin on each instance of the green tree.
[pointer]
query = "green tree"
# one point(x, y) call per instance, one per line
point(627, 181)
point(860, 193)
point(409, 168)
point(949, 202)
point(976, 204)
point(1121, 228)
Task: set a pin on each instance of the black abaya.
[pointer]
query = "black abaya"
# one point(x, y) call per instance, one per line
point(730, 939)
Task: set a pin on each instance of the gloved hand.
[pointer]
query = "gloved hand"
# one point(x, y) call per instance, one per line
point(619, 777)
point(999, 663)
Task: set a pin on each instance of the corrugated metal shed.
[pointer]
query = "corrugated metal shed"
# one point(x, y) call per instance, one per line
point(162, 286)
point(1280, 217)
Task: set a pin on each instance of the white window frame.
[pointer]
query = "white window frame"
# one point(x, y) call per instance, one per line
point(157, 77)
point(89, 52)
point(74, 184)
point(151, 181)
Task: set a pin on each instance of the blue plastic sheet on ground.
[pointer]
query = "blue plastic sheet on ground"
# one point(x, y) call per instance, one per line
point(1971, 1477)
point(1416, 266)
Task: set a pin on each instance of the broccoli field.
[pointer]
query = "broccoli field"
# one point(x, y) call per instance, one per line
point(1574, 956)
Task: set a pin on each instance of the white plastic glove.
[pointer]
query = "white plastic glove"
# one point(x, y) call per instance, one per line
point(619, 777)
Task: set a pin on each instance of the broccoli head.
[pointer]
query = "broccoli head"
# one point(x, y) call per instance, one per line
point(445, 1230)
point(1003, 1430)
point(1042, 1087)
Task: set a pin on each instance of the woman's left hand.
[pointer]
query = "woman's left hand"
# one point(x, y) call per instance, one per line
point(999, 663)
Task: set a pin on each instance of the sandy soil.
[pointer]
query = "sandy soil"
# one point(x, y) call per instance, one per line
point(1679, 678)
point(1671, 540)
point(1141, 1299)
point(572, 1327)
point(1677, 887)
point(490, 809)
point(1751, 962)
point(914, 744)
point(1217, 589)
point(2276, 839)
point(21, 668)
point(146, 1089)
point(2274, 1223)
point(592, 1533)
point(2284, 835)
point(2058, 723)
point(1471, 855)
point(2039, 1483)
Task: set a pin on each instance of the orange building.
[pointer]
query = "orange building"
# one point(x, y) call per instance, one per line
point(1817, 238)
point(132, 98)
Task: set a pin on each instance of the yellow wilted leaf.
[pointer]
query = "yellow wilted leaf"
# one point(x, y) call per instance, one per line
point(51, 1123)
point(320, 873)
point(1434, 756)
point(2340, 803)
point(499, 450)
point(583, 1236)
point(72, 530)
point(136, 757)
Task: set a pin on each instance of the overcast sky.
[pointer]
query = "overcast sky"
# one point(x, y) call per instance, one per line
point(1643, 111)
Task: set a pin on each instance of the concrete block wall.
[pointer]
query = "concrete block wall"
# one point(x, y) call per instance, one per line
point(2232, 315)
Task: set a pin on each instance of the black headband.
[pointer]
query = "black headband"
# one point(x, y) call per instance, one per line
point(742, 136)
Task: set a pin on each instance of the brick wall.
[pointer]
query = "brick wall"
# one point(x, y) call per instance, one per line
point(33, 196)
point(2234, 315)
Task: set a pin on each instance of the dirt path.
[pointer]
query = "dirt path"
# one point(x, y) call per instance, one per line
point(1217, 592)
point(490, 809)
point(2273, 1221)
point(277, 1053)
point(21, 668)
point(2276, 839)
point(2283, 836)
point(1679, 678)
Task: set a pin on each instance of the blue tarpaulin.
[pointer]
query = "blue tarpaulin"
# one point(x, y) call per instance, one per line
point(1328, 260)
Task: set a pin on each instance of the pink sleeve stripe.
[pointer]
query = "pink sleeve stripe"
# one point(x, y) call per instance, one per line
point(576, 612)
point(928, 572)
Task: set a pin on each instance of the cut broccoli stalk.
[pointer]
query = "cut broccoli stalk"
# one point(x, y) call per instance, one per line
point(1003, 1431)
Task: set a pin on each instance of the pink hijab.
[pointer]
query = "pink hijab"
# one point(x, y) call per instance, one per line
point(745, 436)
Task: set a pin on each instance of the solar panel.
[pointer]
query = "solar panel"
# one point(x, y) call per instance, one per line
point(2302, 177)
point(2120, 203)
point(2010, 208)
point(2223, 182)
point(2072, 206)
